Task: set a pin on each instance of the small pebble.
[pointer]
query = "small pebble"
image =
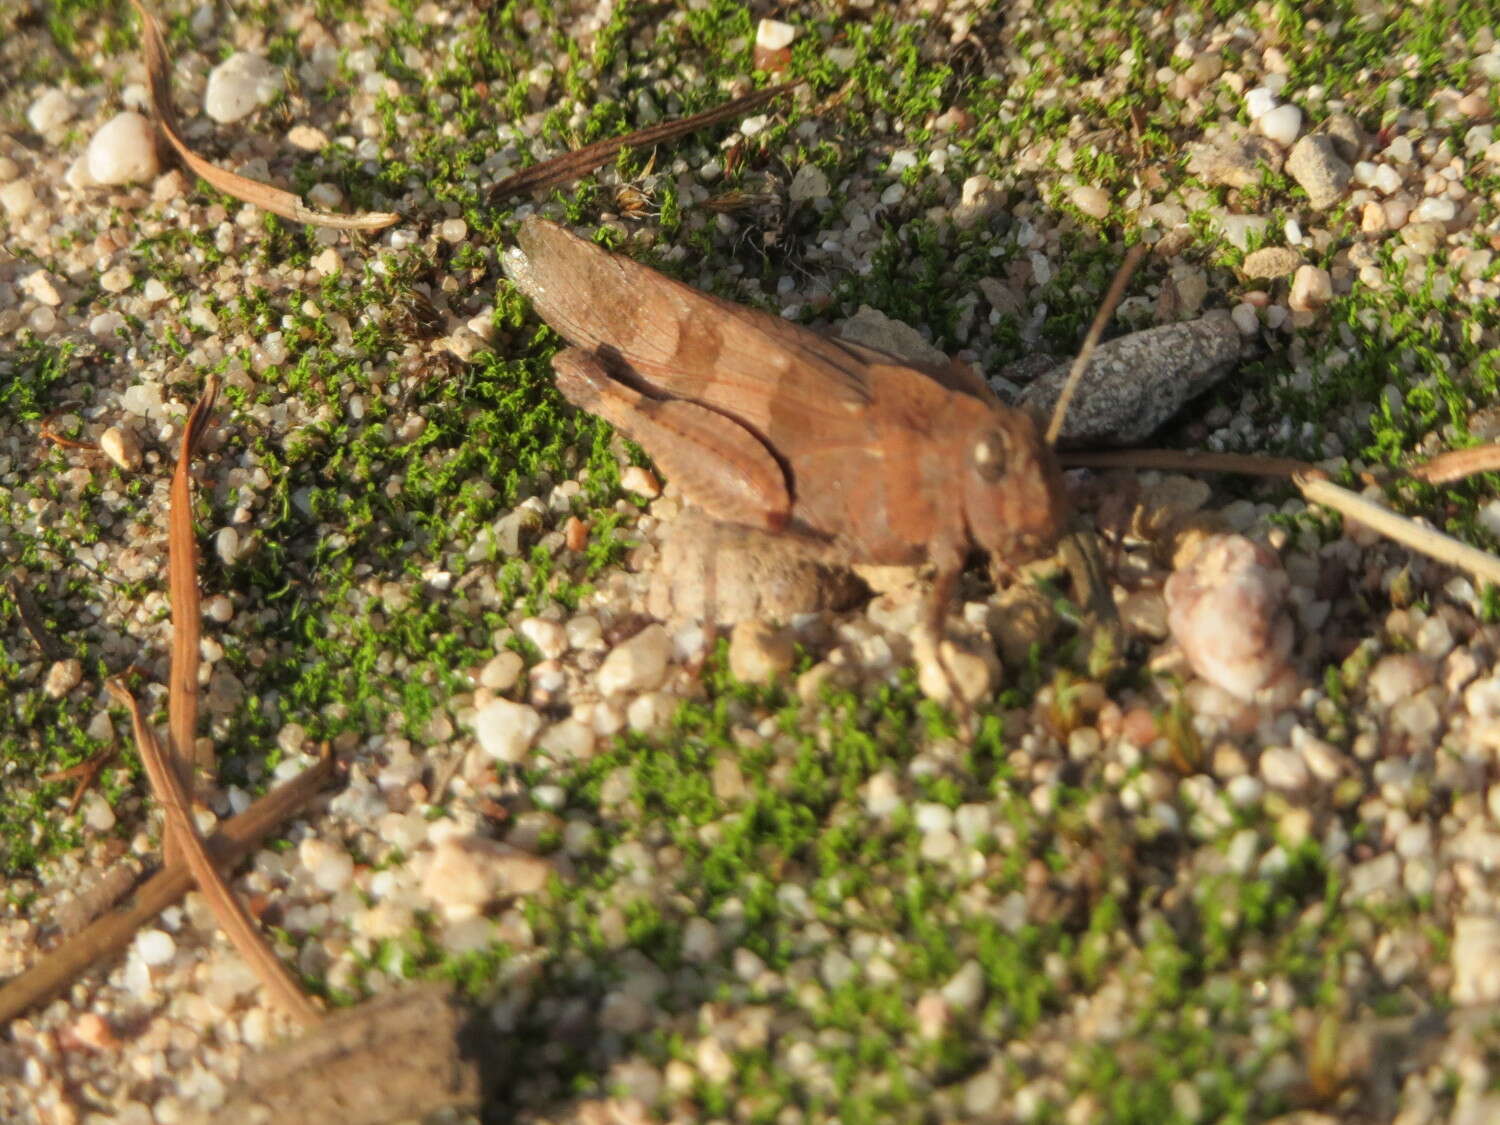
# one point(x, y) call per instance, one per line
point(1398, 676)
point(123, 151)
point(1259, 102)
point(1092, 201)
point(979, 198)
point(651, 712)
point(1245, 318)
point(1435, 209)
point(773, 43)
point(155, 947)
point(467, 873)
point(550, 638)
point(1281, 768)
point(62, 677)
point(882, 796)
point(239, 86)
point(639, 664)
point(1476, 960)
point(52, 109)
point(330, 866)
point(571, 740)
point(121, 446)
point(1271, 262)
point(227, 545)
point(502, 671)
point(1282, 124)
point(810, 183)
point(506, 730)
point(18, 198)
point(640, 481)
point(1386, 180)
point(1312, 288)
point(939, 675)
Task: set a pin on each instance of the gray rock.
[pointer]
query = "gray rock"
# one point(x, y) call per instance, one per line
point(874, 329)
point(1349, 140)
point(1136, 382)
point(1235, 160)
point(1316, 165)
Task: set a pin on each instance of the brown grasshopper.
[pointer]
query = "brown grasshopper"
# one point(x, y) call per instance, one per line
point(776, 427)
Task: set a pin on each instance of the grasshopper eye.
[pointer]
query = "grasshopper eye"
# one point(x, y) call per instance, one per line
point(990, 456)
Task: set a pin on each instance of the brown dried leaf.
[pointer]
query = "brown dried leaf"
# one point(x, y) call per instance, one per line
point(272, 199)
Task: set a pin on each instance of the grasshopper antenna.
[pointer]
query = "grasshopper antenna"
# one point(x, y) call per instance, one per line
point(1091, 341)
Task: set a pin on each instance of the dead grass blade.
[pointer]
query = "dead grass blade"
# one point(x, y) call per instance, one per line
point(187, 615)
point(113, 932)
point(1091, 341)
point(272, 199)
point(569, 166)
point(232, 916)
point(1435, 544)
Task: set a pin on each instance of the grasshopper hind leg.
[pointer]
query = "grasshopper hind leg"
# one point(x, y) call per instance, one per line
point(720, 465)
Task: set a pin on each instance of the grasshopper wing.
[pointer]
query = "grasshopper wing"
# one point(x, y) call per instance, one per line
point(680, 343)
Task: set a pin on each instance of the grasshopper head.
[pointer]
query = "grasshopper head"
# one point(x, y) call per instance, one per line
point(1013, 496)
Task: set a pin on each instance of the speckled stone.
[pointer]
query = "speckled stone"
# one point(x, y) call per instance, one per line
point(1271, 262)
point(1136, 382)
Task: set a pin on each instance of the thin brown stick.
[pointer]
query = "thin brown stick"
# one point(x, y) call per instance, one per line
point(1457, 464)
point(1189, 461)
point(273, 199)
point(85, 773)
point(47, 433)
point(1091, 341)
point(569, 166)
point(232, 916)
point(108, 935)
point(182, 580)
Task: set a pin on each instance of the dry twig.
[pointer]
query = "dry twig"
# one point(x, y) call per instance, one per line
point(1435, 544)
